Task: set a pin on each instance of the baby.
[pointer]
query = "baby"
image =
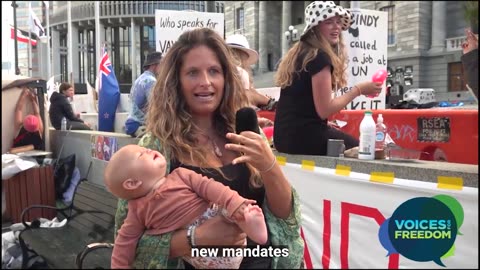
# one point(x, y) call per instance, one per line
point(159, 203)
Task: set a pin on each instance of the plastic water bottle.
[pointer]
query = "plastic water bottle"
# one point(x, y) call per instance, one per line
point(367, 137)
point(64, 124)
point(381, 131)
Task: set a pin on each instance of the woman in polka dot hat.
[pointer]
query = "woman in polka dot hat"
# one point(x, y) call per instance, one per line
point(308, 75)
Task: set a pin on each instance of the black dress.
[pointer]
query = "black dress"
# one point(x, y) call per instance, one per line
point(25, 137)
point(298, 128)
point(238, 177)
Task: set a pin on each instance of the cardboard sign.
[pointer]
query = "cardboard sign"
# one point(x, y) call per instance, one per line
point(170, 24)
point(366, 43)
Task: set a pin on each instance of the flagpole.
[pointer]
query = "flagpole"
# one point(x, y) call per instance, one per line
point(98, 49)
point(29, 39)
point(14, 5)
point(70, 45)
point(49, 59)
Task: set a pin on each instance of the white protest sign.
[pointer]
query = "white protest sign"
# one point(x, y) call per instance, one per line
point(366, 42)
point(170, 24)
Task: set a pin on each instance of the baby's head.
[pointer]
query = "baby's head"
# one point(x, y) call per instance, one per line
point(133, 171)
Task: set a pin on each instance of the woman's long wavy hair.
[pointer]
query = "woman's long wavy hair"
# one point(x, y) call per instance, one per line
point(168, 117)
point(305, 51)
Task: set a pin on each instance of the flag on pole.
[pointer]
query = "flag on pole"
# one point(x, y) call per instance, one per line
point(36, 25)
point(109, 94)
point(21, 36)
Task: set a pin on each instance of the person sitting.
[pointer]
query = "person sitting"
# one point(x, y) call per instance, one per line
point(60, 107)
point(245, 57)
point(308, 75)
point(135, 123)
point(160, 203)
point(29, 130)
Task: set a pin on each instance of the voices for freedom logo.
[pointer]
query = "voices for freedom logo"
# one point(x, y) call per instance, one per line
point(423, 229)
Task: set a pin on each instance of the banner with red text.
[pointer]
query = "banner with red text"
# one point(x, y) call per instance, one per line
point(345, 221)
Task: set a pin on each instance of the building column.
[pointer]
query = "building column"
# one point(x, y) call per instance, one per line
point(41, 61)
point(115, 56)
point(210, 6)
point(133, 48)
point(286, 21)
point(263, 38)
point(84, 52)
point(108, 39)
point(138, 50)
point(55, 52)
point(75, 71)
point(439, 34)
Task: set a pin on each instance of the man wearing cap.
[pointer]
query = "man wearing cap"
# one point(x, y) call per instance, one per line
point(134, 126)
point(29, 129)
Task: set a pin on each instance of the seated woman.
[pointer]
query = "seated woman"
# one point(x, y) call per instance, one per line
point(29, 130)
point(308, 75)
point(60, 107)
point(245, 57)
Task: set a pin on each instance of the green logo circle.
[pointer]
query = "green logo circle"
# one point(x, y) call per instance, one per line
point(423, 229)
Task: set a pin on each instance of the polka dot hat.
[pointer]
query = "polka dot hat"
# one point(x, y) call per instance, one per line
point(319, 11)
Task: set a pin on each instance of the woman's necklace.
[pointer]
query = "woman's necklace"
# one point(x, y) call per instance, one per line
point(216, 149)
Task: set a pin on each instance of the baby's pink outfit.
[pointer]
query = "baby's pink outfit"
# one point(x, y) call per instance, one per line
point(183, 198)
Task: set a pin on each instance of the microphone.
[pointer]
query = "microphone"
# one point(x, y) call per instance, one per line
point(246, 120)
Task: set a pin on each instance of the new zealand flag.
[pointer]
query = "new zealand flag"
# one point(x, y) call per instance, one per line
point(108, 94)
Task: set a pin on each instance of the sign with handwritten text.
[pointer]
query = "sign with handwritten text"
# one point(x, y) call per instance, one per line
point(170, 24)
point(366, 42)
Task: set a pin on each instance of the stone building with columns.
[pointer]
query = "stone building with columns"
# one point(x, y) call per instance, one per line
point(126, 27)
point(424, 36)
